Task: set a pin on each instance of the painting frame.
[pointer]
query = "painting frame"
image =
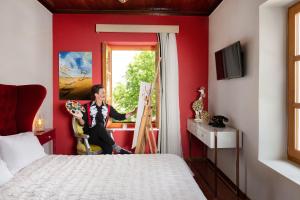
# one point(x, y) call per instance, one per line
point(75, 75)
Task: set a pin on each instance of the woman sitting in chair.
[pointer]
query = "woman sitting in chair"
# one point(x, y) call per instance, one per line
point(94, 121)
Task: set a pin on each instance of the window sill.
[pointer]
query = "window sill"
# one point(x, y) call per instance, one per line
point(126, 129)
point(125, 125)
point(120, 129)
point(284, 167)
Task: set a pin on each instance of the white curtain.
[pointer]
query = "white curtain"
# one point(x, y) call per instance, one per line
point(170, 138)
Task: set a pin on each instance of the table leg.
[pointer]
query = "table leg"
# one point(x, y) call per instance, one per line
point(54, 142)
point(204, 151)
point(216, 160)
point(190, 145)
point(237, 169)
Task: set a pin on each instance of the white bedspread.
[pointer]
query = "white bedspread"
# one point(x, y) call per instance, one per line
point(105, 177)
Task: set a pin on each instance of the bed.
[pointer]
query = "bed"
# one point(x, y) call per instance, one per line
point(107, 177)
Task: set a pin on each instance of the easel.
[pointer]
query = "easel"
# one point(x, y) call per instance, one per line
point(146, 133)
point(146, 130)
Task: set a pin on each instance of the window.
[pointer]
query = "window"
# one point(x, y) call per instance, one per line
point(294, 83)
point(124, 67)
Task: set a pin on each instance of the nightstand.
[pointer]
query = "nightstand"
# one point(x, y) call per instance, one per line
point(46, 136)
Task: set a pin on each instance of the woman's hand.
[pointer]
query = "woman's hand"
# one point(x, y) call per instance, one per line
point(77, 114)
point(131, 113)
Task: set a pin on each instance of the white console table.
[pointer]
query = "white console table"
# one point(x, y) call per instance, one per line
point(216, 138)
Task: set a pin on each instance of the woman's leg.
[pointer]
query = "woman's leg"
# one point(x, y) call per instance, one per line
point(107, 149)
point(100, 137)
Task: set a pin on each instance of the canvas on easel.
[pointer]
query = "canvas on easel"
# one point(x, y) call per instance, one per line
point(143, 132)
point(145, 89)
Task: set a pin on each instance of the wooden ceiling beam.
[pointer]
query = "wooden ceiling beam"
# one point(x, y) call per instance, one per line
point(132, 12)
point(47, 5)
point(137, 7)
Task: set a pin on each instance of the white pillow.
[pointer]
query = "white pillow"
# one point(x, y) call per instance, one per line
point(20, 150)
point(5, 174)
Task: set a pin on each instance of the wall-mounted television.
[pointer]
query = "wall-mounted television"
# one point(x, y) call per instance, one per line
point(229, 62)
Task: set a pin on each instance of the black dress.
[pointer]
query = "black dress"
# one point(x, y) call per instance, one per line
point(95, 123)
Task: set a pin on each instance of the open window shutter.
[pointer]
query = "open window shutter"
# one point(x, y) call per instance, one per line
point(107, 71)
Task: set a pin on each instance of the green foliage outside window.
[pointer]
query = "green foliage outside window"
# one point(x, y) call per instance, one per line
point(126, 94)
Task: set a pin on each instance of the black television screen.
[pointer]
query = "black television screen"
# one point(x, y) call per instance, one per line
point(229, 62)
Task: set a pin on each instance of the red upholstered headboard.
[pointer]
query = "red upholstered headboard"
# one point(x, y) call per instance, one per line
point(18, 106)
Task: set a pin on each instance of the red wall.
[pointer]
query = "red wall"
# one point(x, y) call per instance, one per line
point(76, 32)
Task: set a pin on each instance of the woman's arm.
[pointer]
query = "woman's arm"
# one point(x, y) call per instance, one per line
point(78, 116)
point(84, 118)
point(118, 116)
point(80, 121)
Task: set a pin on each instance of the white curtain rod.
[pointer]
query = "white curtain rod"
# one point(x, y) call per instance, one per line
point(126, 28)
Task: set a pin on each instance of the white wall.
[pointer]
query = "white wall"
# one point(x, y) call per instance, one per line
point(26, 47)
point(272, 89)
point(238, 99)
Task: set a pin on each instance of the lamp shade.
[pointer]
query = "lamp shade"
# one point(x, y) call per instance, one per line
point(39, 124)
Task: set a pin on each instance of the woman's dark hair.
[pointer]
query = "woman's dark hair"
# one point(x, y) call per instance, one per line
point(95, 89)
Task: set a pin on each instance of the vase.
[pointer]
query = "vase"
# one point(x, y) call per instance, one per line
point(198, 105)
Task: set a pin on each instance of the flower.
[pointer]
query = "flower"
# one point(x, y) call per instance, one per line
point(205, 116)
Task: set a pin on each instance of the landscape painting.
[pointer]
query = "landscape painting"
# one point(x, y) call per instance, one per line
point(75, 75)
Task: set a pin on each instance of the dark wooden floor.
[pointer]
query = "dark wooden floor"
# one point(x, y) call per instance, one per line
point(204, 176)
